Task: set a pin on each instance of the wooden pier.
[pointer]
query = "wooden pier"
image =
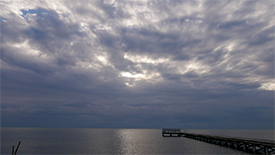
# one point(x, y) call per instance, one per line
point(254, 146)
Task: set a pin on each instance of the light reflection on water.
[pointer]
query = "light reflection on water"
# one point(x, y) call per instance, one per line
point(102, 141)
point(135, 141)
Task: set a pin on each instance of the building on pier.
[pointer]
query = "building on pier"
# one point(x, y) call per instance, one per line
point(171, 132)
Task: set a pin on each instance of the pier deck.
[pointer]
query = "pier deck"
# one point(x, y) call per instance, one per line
point(254, 146)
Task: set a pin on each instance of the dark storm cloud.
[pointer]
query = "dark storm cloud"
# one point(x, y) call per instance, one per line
point(151, 64)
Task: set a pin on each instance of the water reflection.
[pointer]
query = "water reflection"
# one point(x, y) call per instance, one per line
point(102, 141)
point(130, 141)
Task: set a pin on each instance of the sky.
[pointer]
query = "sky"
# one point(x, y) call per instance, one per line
point(190, 64)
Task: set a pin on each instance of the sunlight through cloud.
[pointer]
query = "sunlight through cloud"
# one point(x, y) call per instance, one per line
point(144, 59)
point(268, 86)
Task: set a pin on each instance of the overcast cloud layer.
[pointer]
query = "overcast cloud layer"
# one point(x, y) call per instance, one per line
point(137, 64)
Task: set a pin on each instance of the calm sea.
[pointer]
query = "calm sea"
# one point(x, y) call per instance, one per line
point(115, 141)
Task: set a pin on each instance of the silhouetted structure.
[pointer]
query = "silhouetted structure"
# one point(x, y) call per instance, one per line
point(171, 132)
point(255, 146)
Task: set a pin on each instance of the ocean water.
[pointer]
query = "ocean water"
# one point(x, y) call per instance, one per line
point(116, 141)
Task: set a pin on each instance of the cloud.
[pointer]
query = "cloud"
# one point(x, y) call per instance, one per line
point(112, 62)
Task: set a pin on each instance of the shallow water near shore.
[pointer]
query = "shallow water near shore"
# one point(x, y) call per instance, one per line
point(116, 141)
